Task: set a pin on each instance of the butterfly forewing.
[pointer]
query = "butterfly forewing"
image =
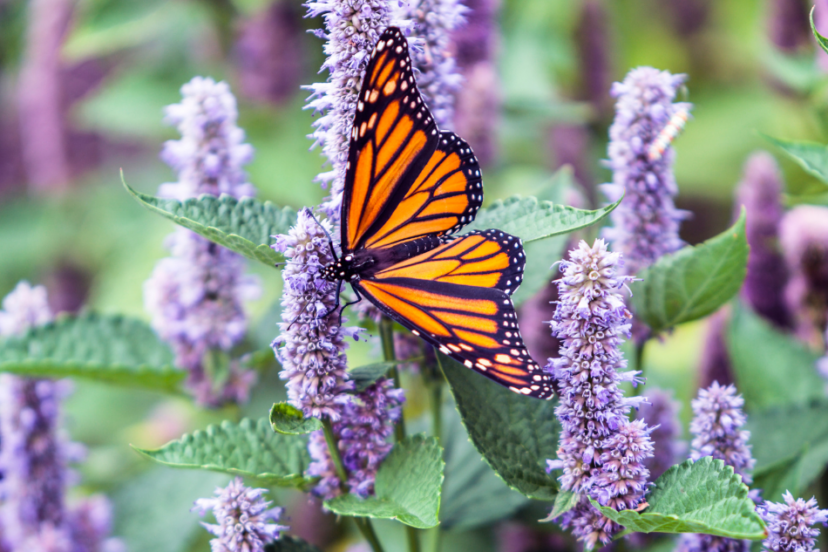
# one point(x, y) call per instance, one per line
point(405, 179)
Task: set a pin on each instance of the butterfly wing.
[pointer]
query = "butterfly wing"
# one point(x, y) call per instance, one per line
point(456, 297)
point(405, 179)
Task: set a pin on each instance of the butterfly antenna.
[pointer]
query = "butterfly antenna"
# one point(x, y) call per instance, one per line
point(327, 234)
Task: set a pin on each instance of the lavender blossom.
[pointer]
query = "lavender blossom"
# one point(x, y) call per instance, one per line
point(311, 348)
point(646, 224)
point(362, 435)
point(438, 79)
point(90, 523)
point(244, 523)
point(24, 308)
point(760, 193)
point(352, 27)
point(662, 415)
point(803, 237)
point(714, 364)
point(601, 452)
point(790, 524)
point(692, 542)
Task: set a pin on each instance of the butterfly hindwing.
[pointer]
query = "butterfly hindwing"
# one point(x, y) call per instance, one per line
point(405, 179)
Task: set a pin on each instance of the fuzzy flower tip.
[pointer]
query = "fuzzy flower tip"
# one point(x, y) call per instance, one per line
point(362, 433)
point(601, 452)
point(790, 525)
point(717, 419)
point(211, 152)
point(311, 348)
point(438, 79)
point(352, 27)
point(646, 224)
point(244, 523)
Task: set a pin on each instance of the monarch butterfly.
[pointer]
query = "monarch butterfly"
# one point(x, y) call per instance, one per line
point(408, 188)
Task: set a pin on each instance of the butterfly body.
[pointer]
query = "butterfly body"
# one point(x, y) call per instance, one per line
point(408, 188)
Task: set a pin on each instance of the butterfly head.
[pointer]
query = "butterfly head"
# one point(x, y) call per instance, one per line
point(340, 270)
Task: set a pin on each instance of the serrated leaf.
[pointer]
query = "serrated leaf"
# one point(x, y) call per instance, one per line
point(364, 376)
point(111, 349)
point(249, 448)
point(515, 434)
point(692, 282)
point(564, 502)
point(530, 219)
point(811, 156)
point(473, 494)
point(244, 226)
point(407, 487)
point(771, 368)
point(288, 543)
point(821, 40)
point(289, 420)
point(695, 497)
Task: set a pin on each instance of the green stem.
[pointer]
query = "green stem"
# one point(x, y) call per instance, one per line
point(363, 524)
point(437, 409)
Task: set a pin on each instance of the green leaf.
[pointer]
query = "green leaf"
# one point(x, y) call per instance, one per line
point(365, 376)
point(821, 40)
point(771, 368)
point(515, 434)
point(530, 219)
point(811, 156)
point(695, 497)
point(112, 349)
point(244, 226)
point(407, 487)
point(288, 543)
point(564, 502)
point(785, 476)
point(249, 448)
point(289, 420)
point(473, 494)
point(692, 282)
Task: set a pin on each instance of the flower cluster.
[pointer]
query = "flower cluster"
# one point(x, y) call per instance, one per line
point(438, 79)
point(601, 452)
point(790, 525)
point(646, 224)
point(244, 523)
point(195, 296)
point(662, 415)
point(352, 27)
point(362, 436)
point(35, 454)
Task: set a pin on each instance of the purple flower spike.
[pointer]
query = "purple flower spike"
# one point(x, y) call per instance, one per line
point(708, 543)
point(352, 27)
point(646, 224)
point(244, 523)
point(601, 452)
point(790, 525)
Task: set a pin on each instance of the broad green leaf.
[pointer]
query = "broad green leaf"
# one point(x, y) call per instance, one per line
point(540, 256)
point(289, 420)
point(771, 368)
point(472, 494)
point(249, 448)
point(530, 219)
point(244, 226)
point(407, 487)
point(288, 543)
point(111, 349)
point(821, 40)
point(564, 502)
point(811, 156)
point(695, 497)
point(515, 434)
point(152, 510)
point(785, 476)
point(692, 282)
point(364, 376)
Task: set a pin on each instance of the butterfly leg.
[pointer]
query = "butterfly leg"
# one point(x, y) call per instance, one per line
point(349, 303)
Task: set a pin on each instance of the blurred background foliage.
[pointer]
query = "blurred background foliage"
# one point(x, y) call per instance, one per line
point(104, 70)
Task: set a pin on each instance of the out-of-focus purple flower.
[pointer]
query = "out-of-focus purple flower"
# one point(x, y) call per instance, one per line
point(362, 434)
point(646, 224)
point(90, 524)
point(592, 39)
point(244, 523)
point(790, 525)
point(407, 346)
point(24, 308)
point(803, 236)
point(269, 56)
point(714, 364)
point(438, 78)
point(601, 452)
point(476, 41)
point(662, 415)
point(311, 348)
point(760, 192)
point(717, 419)
point(689, 16)
point(788, 25)
point(211, 152)
point(352, 27)
point(693, 542)
point(821, 23)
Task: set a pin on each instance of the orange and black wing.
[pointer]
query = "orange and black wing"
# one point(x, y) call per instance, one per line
point(405, 178)
point(456, 297)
